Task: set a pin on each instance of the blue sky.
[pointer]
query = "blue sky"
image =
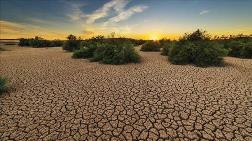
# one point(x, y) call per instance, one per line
point(131, 18)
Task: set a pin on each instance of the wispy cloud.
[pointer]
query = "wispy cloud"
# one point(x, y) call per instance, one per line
point(203, 12)
point(10, 27)
point(116, 5)
point(76, 13)
point(111, 13)
point(127, 13)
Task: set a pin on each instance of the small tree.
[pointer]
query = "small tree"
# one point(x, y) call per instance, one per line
point(71, 37)
point(72, 43)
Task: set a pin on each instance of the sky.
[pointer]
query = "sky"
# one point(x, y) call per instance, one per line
point(141, 19)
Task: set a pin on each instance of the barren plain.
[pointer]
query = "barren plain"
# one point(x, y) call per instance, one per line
point(55, 97)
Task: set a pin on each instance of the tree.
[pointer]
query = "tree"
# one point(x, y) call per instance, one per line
point(71, 37)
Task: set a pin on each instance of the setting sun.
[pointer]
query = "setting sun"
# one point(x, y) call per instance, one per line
point(154, 37)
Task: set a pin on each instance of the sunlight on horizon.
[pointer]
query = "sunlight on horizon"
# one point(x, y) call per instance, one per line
point(154, 37)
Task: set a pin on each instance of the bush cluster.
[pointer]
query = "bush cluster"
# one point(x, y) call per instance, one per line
point(151, 46)
point(246, 51)
point(38, 42)
point(83, 53)
point(238, 45)
point(72, 43)
point(197, 48)
point(121, 53)
point(108, 52)
point(166, 45)
point(239, 49)
point(202, 54)
point(102, 39)
point(3, 84)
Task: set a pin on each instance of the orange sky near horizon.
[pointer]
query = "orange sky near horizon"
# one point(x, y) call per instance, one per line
point(10, 30)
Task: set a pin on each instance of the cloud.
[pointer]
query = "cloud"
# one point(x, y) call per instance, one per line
point(88, 32)
point(203, 12)
point(117, 5)
point(128, 13)
point(76, 13)
point(13, 30)
point(110, 12)
point(7, 26)
point(42, 21)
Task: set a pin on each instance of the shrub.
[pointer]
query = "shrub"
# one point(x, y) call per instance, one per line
point(202, 54)
point(151, 46)
point(24, 42)
point(72, 43)
point(246, 51)
point(83, 53)
point(197, 35)
point(71, 37)
point(120, 53)
point(197, 50)
point(180, 54)
point(234, 48)
point(208, 54)
point(166, 46)
point(238, 48)
point(3, 84)
point(38, 42)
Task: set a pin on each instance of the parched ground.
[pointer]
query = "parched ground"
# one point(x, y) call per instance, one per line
point(54, 97)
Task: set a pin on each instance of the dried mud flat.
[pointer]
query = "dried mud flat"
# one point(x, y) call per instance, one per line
point(54, 97)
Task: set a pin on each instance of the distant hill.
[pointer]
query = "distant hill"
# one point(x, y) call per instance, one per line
point(9, 41)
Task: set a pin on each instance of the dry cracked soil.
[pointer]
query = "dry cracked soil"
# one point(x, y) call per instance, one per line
point(54, 97)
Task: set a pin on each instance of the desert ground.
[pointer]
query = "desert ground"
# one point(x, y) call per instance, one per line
point(54, 97)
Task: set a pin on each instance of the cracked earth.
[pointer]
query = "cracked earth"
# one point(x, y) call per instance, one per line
point(54, 97)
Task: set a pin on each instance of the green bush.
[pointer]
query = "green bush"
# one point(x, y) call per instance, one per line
point(24, 42)
point(246, 51)
point(209, 54)
point(38, 42)
point(180, 54)
point(72, 44)
point(88, 49)
point(238, 48)
point(166, 46)
point(234, 48)
point(197, 50)
point(197, 35)
point(120, 53)
point(151, 46)
point(101, 39)
point(3, 84)
point(202, 54)
point(83, 53)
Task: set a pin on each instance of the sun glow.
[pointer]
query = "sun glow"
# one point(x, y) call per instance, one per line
point(154, 37)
